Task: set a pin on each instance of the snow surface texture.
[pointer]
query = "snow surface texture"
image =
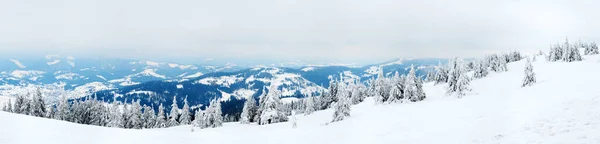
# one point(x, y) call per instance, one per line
point(562, 107)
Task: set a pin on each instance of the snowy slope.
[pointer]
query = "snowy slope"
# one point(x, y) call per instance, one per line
point(562, 107)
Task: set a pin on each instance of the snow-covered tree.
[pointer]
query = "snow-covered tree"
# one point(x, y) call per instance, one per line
point(62, 111)
point(174, 114)
point(38, 106)
point(136, 115)
point(441, 75)
point(271, 108)
point(529, 75)
point(294, 123)
point(148, 116)
point(481, 70)
point(591, 49)
point(185, 113)
point(395, 95)
point(161, 120)
point(359, 92)
point(199, 119)
point(115, 117)
point(50, 111)
point(458, 81)
point(8, 106)
point(249, 110)
point(213, 115)
point(342, 107)
point(310, 105)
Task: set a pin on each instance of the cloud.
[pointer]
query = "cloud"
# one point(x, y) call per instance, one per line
point(291, 29)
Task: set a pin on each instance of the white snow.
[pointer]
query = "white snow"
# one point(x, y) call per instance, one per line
point(24, 73)
point(134, 92)
point(53, 62)
point(151, 72)
point(151, 63)
point(179, 86)
point(373, 70)
point(70, 58)
point(308, 69)
point(87, 89)
point(562, 107)
point(18, 63)
point(223, 80)
point(102, 77)
point(68, 76)
point(71, 63)
point(198, 74)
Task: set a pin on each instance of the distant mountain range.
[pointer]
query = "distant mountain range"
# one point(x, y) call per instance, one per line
point(157, 82)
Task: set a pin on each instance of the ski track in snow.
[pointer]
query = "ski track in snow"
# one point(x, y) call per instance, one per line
point(562, 107)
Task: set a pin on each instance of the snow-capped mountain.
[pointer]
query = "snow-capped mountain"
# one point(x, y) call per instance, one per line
point(158, 82)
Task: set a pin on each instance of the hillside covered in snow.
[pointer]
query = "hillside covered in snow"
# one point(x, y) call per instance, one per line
point(562, 106)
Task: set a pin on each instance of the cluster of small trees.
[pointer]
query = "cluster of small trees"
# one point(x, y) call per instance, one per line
point(91, 111)
point(564, 52)
point(398, 88)
point(455, 73)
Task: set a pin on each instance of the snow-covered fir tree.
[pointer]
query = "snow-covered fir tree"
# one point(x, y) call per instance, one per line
point(199, 119)
point(174, 114)
point(441, 75)
point(481, 69)
point(116, 117)
point(270, 108)
point(213, 115)
point(161, 119)
point(62, 111)
point(310, 105)
point(249, 110)
point(458, 81)
point(591, 49)
point(148, 116)
point(8, 106)
point(136, 115)
point(185, 117)
point(38, 106)
point(342, 107)
point(294, 123)
point(529, 78)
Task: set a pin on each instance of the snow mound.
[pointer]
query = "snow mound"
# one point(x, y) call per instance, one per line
point(23, 73)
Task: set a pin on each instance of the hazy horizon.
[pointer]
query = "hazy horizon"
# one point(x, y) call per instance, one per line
point(321, 31)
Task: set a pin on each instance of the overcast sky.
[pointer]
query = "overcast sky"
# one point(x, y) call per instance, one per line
point(334, 30)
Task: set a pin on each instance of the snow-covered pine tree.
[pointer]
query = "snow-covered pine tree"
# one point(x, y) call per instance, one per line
point(419, 90)
point(213, 116)
point(395, 95)
point(529, 75)
point(149, 119)
point(200, 119)
point(591, 49)
point(441, 75)
point(294, 123)
point(481, 69)
point(50, 111)
point(310, 105)
point(115, 117)
point(249, 110)
point(136, 115)
point(38, 106)
point(161, 120)
point(5, 107)
point(9, 106)
point(458, 81)
point(271, 108)
point(342, 107)
point(358, 93)
point(185, 117)
point(330, 96)
point(62, 110)
point(174, 114)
